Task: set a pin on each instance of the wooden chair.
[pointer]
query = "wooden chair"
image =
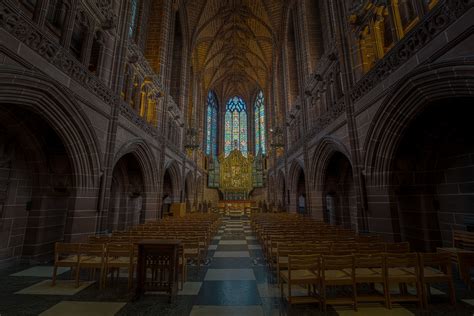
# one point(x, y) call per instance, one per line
point(119, 256)
point(399, 247)
point(465, 262)
point(192, 249)
point(66, 255)
point(303, 270)
point(403, 269)
point(284, 250)
point(462, 253)
point(370, 269)
point(338, 271)
point(368, 248)
point(91, 256)
point(97, 239)
point(436, 268)
point(340, 249)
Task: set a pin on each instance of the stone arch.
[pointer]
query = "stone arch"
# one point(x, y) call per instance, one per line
point(38, 94)
point(134, 180)
point(407, 100)
point(142, 151)
point(51, 153)
point(410, 165)
point(325, 148)
point(173, 171)
point(332, 184)
point(296, 184)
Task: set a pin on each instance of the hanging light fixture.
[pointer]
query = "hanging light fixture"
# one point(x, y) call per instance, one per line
point(191, 140)
point(277, 138)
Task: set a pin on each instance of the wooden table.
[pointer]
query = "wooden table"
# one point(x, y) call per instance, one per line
point(157, 267)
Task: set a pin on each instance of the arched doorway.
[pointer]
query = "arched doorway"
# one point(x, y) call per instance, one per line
point(297, 188)
point(36, 185)
point(339, 197)
point(432, 172)
point(301, 193)
point(127, 194)
point(168, 195)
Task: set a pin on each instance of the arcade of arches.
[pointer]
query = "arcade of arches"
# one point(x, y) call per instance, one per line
point(118, 113)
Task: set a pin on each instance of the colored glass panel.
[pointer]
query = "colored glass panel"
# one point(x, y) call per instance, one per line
point(236, 126)
point(211, 124)
point(133, 21)
point(259, 119)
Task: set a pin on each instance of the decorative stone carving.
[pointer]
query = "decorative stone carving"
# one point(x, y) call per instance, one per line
point(28, 33)
point(432, 25)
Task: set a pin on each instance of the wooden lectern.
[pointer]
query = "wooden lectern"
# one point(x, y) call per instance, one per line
point(157, 267)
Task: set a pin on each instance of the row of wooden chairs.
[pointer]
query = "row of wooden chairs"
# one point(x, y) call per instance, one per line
point(317, 273)
point(284, 250)
point(93, 257)
point(110, 253)
point(333, 247)
point(319, 256)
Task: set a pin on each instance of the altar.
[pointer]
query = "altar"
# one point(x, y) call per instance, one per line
point(236, 207)
point(235, 176)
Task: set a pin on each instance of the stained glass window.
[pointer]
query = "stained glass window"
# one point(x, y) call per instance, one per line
point(133, 20)
point(236, 126)
point(259, 113)
point(211, 125)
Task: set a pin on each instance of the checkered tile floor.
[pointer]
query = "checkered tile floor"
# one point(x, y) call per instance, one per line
point(234, 281)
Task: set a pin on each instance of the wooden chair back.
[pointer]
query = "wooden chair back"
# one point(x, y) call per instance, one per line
point(463, 240)
point(399, 247)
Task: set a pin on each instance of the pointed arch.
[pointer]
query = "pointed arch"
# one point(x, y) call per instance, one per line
point(29, 89)
point(236, 131)
point(405, 102)
point(174, 171)
point(259, 123)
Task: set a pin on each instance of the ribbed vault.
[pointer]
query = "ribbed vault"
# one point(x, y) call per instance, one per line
point(233, 43)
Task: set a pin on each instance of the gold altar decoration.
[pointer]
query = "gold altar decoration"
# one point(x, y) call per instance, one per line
point(236, 172)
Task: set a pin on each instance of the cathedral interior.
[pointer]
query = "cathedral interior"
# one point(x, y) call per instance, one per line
point(236, 157)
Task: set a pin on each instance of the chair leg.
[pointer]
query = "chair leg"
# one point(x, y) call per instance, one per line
point(289, 292)
point(104, 277)
point(323, 297)
point(389, 298)
point(55, 270)
point(281, 290)
point(78, 270)
point(101, 276)
point(452, 292)
point(354, 292)
point(129, 281)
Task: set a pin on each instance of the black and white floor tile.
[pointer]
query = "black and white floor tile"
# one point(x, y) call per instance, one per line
point(233, 281)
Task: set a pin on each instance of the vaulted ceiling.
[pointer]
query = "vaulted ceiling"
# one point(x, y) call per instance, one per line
point(232, 43)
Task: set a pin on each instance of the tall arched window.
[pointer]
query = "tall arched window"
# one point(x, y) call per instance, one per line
point(236, 126)
point(211, 124)
point(259, 113)
point(132, 29)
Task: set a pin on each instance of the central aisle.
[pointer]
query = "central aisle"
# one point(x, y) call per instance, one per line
point(236, 276)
